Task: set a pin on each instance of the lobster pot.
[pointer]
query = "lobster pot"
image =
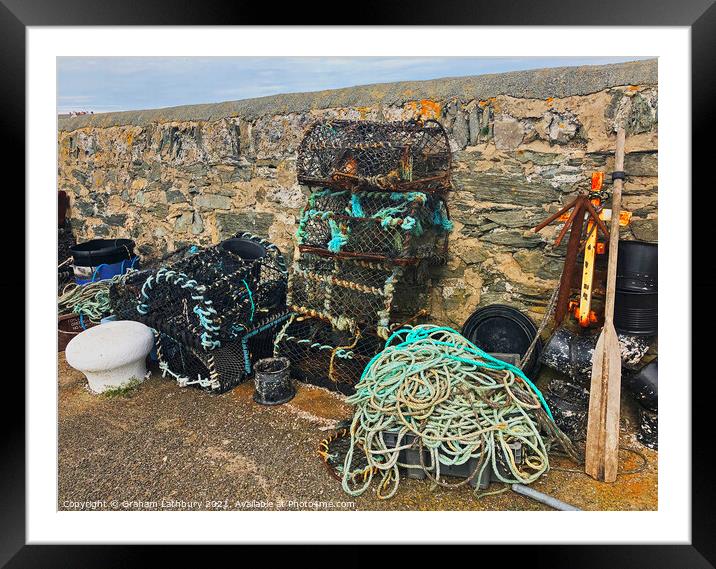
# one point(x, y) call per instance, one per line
point(220, 369)
point(394, 156)
point(323, 356)
point(125, 296)
point(353, 294)
point(208, 298)
point(375, 224)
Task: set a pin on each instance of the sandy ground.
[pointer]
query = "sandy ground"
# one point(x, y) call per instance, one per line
point(164, 447)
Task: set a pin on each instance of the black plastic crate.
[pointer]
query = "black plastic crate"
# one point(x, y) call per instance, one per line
point(409, 462)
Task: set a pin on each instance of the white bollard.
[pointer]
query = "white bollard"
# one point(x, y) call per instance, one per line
point(111, 354)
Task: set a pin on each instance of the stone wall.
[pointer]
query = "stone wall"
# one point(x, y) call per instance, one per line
point(524, 143)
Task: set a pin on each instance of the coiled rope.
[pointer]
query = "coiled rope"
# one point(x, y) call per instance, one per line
point(433, 387)
point(90, 300)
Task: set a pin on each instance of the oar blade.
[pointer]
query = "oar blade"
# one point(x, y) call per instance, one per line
point(602, 450)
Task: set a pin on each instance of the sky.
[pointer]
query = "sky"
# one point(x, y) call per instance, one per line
point(106, 84)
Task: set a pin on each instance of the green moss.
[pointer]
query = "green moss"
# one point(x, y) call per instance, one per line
point(123, 390)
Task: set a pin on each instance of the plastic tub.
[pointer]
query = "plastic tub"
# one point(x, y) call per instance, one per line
point(248, 250)
point(101, 259)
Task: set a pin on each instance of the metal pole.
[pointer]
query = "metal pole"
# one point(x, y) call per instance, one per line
point(544, 498)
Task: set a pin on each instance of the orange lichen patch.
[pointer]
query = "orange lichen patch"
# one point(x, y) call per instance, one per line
point(633, 88)
point(130, 137)
point(424, 109)
point(363, 111)
point(549, 99)
point(482, 104)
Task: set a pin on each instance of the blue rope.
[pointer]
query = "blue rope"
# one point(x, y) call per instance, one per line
point(96, 271)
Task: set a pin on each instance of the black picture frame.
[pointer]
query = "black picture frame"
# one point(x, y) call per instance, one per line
point(699, 15)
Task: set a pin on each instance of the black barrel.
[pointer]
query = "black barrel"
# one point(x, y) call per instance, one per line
point(638, 266)
point(644, 385)
point(648, 433)
point(570, 405)
point(636, 305)
point(636, 313)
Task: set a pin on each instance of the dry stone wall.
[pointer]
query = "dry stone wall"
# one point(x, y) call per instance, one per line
point(524, 144)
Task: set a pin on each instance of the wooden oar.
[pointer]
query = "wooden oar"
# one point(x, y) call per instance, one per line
point(602, 451)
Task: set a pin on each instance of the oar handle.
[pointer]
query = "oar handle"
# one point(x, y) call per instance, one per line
point(614, 233)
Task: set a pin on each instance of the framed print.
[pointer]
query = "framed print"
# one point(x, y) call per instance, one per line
point(401, 278)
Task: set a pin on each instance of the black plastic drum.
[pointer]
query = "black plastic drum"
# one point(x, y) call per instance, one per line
point(638, 266)
point(636, 313)
point(502, 329)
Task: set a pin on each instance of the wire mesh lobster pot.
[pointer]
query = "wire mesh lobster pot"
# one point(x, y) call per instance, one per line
point(324, 356)
point(395, 156)
point(206, 306)
point(223, 368)
point(392, 225)
point(353, 293)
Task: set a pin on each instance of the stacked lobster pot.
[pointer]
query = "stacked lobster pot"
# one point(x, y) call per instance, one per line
point(375, 221)
point(215, 310)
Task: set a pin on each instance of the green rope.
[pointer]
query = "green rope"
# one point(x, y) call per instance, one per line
point(457, 401)
point(90, 300)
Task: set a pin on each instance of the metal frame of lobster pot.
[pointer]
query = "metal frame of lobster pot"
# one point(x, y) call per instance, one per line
point(214, 311)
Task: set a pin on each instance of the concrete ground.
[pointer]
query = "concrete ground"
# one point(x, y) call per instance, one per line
point(164, 447)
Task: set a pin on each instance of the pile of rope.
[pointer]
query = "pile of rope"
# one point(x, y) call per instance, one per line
point(433, 386)
point(90, 300)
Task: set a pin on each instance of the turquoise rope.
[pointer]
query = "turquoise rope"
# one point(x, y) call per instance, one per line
point(415, 335)
point(356, 208)
point(251, 298)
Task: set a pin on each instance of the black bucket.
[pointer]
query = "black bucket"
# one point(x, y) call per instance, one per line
point(498, 328)
point(98, 251)
point(273, 381)
point(638, 266)
point(102, 258)
point(636, 313)
point(644, 385)
point(248, 250)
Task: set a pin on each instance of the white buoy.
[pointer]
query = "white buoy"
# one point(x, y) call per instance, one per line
point(111, 354)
